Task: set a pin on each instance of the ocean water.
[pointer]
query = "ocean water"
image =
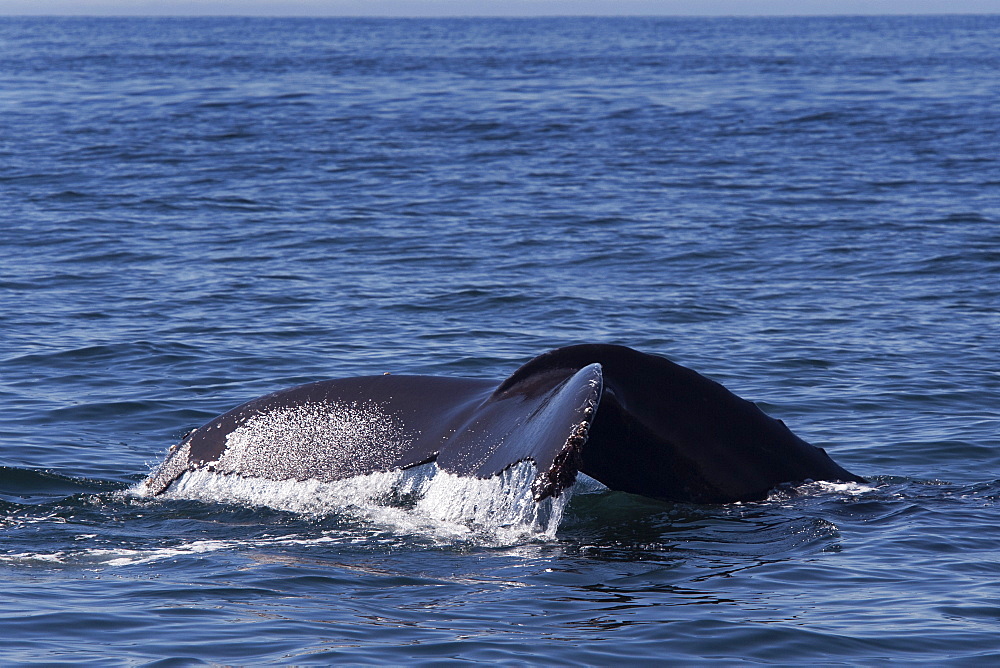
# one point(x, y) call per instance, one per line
point(198, 211)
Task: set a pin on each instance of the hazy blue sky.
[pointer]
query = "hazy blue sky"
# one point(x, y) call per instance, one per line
point(493, 7)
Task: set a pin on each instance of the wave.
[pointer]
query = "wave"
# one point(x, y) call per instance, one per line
point(31, 487)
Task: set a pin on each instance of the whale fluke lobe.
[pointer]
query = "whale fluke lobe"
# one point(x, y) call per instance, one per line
point(665, 431)
point(635, 422)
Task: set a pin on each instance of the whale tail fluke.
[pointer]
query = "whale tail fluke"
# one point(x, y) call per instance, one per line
point(635, 422)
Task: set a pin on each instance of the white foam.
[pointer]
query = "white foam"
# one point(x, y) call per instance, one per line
point(501, 505)
point(845, 488)
point(820, 487)
point(128, 557)
point(423, 500)
point(121, 556)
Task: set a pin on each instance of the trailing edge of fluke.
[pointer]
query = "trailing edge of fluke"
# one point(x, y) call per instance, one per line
point(636, 422)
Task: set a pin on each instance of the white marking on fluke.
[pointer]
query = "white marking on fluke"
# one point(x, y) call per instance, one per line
point(309, 436)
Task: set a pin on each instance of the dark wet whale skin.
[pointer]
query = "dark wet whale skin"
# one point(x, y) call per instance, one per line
point(636, 422)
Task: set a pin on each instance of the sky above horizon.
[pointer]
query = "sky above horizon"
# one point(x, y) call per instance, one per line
point(492, 7)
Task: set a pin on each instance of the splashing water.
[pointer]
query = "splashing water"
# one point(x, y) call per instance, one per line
point(423, 499)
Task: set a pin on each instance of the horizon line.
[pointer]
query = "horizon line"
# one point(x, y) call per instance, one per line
point(221, 15)
point(373, 9)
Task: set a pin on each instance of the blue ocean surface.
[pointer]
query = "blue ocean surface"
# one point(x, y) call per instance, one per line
point(194, 212)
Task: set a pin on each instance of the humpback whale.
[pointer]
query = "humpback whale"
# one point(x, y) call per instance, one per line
point(635, 422)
